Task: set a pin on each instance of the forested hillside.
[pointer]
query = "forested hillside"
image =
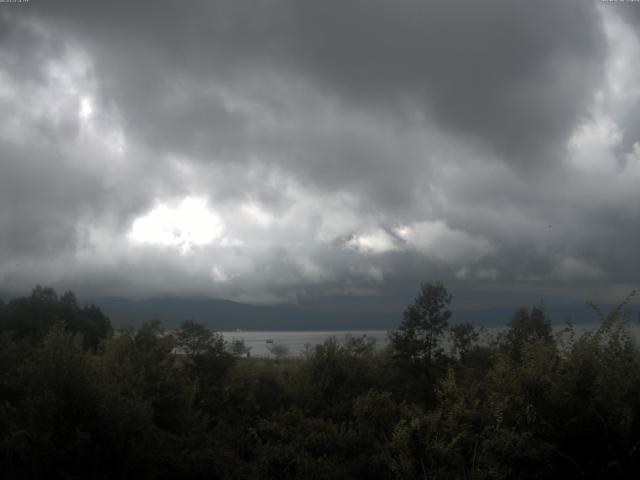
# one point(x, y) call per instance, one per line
point(80, 401)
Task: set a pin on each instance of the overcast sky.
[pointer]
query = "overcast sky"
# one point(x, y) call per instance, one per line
point(288, 150)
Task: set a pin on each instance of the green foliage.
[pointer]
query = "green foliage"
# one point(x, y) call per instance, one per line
point(279, 351)
point(464, 339)
point(527, 326)
point(147, 403)
point(293, 445)
point(424, 324)
point(258, 388)
point(31, 317)
point(334, 373)
point(238, 348)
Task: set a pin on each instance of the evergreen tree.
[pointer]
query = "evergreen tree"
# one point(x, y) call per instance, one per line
point(424, 324)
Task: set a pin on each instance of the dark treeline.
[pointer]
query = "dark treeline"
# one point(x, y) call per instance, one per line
point(78, 401)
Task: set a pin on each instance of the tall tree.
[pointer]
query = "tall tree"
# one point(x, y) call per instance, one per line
point(527, 327)
point(424, 324)
point(194, 338)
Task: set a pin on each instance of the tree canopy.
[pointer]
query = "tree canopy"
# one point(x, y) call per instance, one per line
point(424, 324)
point(439, 401)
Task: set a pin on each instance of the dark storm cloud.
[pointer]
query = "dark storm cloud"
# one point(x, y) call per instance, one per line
point(515, 75)
point(341, 145)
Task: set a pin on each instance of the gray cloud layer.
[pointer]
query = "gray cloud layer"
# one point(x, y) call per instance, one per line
point(276, 150)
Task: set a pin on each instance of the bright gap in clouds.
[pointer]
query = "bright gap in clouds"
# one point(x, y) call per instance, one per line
point(184, 226)
point(86, 109)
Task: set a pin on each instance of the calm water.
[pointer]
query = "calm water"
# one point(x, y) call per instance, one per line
point(296, 342)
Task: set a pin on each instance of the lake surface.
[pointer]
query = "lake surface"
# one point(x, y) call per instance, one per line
point(296, 342)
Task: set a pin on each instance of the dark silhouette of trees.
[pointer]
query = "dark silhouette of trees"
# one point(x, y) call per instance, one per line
point(424, 324)
point(31, 317)
point(194, 339)
point(527, 326)
point(464, 339)
point(149, 403)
